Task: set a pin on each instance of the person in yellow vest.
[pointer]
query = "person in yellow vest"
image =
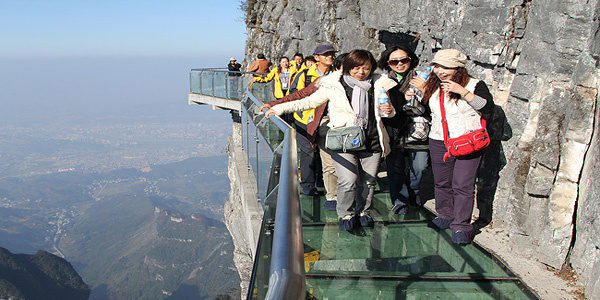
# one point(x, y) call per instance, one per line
point(281, 76)
point(309, 61)
point(298, 62)
point(316, 132)
point(313, 160)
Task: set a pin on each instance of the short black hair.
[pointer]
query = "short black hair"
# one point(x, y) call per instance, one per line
point(339, 60)
point(299, 54)
point(385, 56)
point(261, 56)
point(311, 58)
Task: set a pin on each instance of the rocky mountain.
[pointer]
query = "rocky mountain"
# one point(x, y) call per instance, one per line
point(39, 276)
point(150, 233)
point(540, 59)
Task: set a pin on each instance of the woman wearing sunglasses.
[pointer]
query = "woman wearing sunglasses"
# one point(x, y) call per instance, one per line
point(350, 94)
point(465, 99)
point(409, 156)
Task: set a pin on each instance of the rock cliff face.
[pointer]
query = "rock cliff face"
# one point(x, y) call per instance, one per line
point(540, 59)
point(243, 214)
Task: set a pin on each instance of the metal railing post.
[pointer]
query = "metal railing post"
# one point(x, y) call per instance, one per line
point(257, 166)
point(248, 142)
point(227, 83)
point(213, 84)
point(200, 88)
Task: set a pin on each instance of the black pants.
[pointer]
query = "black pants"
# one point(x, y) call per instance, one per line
point(310, 161)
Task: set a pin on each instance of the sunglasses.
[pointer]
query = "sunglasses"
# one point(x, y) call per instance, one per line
point(328, 53)
point(395, 62)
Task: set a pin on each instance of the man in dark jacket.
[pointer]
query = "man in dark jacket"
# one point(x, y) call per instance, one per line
point(233, 90)
point(234, 66)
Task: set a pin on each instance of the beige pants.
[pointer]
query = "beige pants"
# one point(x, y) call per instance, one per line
point(329, 175)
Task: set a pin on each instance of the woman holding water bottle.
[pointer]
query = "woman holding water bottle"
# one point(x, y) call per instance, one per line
point(408, 130)
point(351, 95)
point(464, 99)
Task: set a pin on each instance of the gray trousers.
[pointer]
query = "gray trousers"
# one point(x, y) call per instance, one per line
point(357, 176)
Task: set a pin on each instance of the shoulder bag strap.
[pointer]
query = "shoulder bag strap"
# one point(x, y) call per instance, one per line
point(443, 113)
point(444, 124)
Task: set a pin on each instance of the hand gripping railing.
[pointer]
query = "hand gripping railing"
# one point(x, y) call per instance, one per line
point(286, 279)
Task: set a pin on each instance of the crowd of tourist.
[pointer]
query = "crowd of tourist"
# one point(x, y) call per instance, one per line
point(348, 117)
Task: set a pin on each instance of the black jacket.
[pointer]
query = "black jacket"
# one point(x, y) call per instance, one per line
point(234, 66)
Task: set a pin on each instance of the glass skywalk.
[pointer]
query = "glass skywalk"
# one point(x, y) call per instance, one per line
point(398, 258)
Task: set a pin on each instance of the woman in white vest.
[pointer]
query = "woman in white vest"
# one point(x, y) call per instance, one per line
point(466, 100)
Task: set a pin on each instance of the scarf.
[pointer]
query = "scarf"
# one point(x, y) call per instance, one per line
point(360, 99)
point(404, 83)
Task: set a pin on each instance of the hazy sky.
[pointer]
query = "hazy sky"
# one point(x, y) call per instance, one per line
point(91, 58)
point(59, 28)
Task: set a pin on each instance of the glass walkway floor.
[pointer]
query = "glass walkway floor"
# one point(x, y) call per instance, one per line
point(398, 258)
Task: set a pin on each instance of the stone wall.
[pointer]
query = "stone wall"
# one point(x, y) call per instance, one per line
point(540, 59)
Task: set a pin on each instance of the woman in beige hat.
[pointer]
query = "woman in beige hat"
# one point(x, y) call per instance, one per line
point(466, 99)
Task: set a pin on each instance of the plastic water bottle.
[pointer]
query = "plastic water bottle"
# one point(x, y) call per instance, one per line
point(413, 98)
point(383, 99)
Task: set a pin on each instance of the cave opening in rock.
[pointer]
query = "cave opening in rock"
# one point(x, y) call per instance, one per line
point(398, 38)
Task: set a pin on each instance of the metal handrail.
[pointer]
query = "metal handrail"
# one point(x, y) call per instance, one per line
point(226, 71)
point(287, 276)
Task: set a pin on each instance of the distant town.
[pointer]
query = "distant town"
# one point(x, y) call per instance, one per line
point(102, 146)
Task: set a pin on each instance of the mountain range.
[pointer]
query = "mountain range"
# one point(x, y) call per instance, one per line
point(150, 233)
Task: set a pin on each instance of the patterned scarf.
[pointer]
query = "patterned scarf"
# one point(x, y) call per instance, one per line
point(405, 81)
